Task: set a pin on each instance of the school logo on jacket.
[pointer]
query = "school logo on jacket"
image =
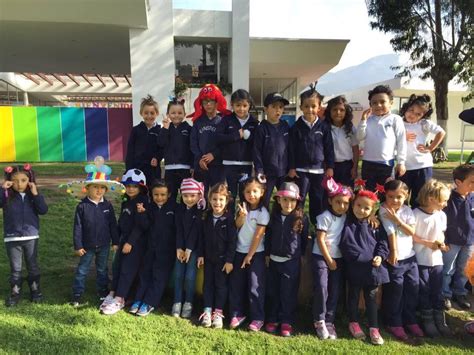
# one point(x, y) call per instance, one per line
point(127, 211)
point(318, 132)
point(184, 132)
point(207, 128)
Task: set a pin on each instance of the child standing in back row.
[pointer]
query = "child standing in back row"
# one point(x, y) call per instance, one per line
point(384, 139)
point(22, 204)
point(416, 116)
point(311, 153)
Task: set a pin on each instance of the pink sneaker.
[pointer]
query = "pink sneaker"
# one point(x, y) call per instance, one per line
point(236, 322)
point(271, 327)
point(286, 330)
point(356, 331)
point(256, 325)
point(375, 337)
point(415, 330)
point(399, 333)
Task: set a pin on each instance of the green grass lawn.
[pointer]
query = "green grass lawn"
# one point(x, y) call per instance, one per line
point(54, 327)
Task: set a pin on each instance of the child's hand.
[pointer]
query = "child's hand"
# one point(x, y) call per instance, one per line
point(267, 261)
point(411, 136)
point(241, 133)
point(228, 268)
point(180, 255)
point(393, 258)
point(332, 265)
point(115, 247)
point(433, 245)
point(400, 169)
point(140, 208)
point(292, 174)
point(154, 162)
point(444, 247)
point(391, 215)
point(247, 261)
point(203, 164)
point(127, 248)
point(7, 184)
point(33, 188)
point(373, 221)
point(329, 172)
point(187, 255)
point(423, 148)
point(80, 252)
point(377, 261)
point(354, 172)
point(242, 209)
point(166, 122)
point(200, 262)
point(366, 114)
point(208, 158)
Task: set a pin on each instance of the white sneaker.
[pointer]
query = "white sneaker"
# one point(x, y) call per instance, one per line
point(217, 320)
point(107, 301)
point(113, 308)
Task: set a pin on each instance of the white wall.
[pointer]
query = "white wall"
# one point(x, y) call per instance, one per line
point(240, 45)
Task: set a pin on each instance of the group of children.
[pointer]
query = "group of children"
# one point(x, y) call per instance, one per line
point(252, 257)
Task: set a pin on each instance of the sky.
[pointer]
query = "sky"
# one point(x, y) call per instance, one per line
point(321, 19)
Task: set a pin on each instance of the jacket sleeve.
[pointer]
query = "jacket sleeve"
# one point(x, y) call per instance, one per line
point(349, 248)
point(452, 226)
point(381, 248)
point(193, 239)
point(305, 235)
point(362, 130)
point(3, 197)
point(292, 144)
point(194, 143)
point(129, 163)
point(401, 140)
point(78, 228)
point(179, 215)
point(163, 137)
point(114, 235)
point(40, 204)
point(157, 150)
point(141, 223)
point(258, 150)
point(268, 238)
point(227, 136)
point(329, 157)
point(231, 240)
point(201, 240)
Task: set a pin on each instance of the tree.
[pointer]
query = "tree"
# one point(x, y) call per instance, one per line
point(438, 36)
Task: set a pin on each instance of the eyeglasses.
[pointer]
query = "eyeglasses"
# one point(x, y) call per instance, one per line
point(205, 102)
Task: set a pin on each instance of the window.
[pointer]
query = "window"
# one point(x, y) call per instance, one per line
point(201, 63)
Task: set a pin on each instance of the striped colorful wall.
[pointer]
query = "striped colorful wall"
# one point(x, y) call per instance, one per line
point(42, 134)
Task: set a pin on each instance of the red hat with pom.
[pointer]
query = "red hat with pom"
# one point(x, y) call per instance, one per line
point(209, 92)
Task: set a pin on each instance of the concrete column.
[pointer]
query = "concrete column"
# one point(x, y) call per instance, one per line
point(152, 57)
point(240, 45)
point(26, 101)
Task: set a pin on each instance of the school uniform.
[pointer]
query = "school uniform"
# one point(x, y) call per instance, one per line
point(419, 165)
point(188, 236)
point(285, 248)
point(142, 147)
point(218, 244)
point(236, 151)
point(327, 283)
point(204, 140)
point(430, 227)
point(21, 232)
point(161, 253)
point(270, 154)
point(460, 238)
point(248, 285)
point(311, 152)
point(133, 227)
point(400, 295)
point(343, 154)
point(95, 226)
point(359, 244)
point(384, 142)
point(175, 142)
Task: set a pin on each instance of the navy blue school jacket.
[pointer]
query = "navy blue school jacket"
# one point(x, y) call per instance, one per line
point(175, 142)
point(203, 139)
point(282, 240)
point(219, 240)
point(162, 232)
point(95, 225)
point(460, 219)
point(142, 147)
point(359, 244)
point(311, 148)
point(232, 146)
point(20, 216)
point(188, 227)
point(270, 148)
point(133, 225)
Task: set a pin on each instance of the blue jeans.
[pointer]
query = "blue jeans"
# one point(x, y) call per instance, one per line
point(185, 275)
point(455, 260)
point(101, 258)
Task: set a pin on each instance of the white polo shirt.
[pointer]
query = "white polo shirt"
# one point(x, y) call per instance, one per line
point(422, 129)
point(258, 217)
point(343, 143)
point(429, 227)
point(332, 225)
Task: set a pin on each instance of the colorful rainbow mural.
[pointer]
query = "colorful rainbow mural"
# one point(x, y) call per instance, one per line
point(42, 134)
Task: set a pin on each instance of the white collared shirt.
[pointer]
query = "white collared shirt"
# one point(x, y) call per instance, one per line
point(332, 225)
point(95, 203)
point(422, 129)
point(343, 143)
point(310, 125)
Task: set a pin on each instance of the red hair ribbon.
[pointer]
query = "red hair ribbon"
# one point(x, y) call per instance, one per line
point(8, 169)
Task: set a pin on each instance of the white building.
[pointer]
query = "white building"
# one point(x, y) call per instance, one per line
point(58, 52)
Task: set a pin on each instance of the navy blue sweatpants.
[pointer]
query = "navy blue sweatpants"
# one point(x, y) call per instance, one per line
point(130, 265)
point(431, 285)
point(327, 286)
point(415, 179)
point(247, 287)
point(174, 178)
point(342, 172)
point(233, 173)
point(310, 184)
point(282, 290)
point(215, 285)
point(272, 182)
point(210, 177)
point(400, 295)
point(375, 173)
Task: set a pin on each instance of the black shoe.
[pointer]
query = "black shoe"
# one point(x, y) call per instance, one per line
point(76, 301)
point(462, 301)
point(447, 304)
point(12, 300)
point(36, 295)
